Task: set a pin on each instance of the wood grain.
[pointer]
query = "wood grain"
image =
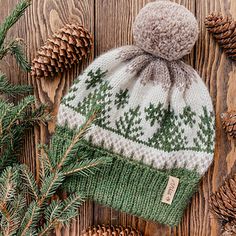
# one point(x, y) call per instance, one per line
point(110, 21)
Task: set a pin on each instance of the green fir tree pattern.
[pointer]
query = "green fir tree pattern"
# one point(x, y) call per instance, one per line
point(95, 78)
point(100, 96)
point(128, 125)
point(70, 97)
point(188, 116)
point(155, 113)
point(122, 98)
point(205, 134)
point(170, 136)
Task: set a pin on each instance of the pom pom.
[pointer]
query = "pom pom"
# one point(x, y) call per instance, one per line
point(165, 29)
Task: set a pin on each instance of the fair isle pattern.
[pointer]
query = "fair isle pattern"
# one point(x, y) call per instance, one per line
point(159, 159)
point(162, 126)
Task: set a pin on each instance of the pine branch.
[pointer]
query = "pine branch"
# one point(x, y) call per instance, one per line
point(29, 181)
point(12, 19)
point(7, 151)
point(9, 226)
point(17, 209)
point(61, 212)
point(12, 90)
point(30, 219)
point(49, 187)
point(53, 211)
point(38, 115)
point(4, 108)
point(18, 111)
point(76, 139)
point(22, 220)
point(85, 167)
point(71, 205)
point(46, 165)
point(15, 47)
point(8, 185)
point(51, 215)
point(16, 50)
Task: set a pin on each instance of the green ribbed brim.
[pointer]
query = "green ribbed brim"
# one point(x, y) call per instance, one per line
point(135, 188)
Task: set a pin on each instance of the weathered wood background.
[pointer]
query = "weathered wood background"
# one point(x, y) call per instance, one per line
point(110, 23)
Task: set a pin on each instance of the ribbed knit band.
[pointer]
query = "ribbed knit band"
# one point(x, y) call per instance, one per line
point(135, 188)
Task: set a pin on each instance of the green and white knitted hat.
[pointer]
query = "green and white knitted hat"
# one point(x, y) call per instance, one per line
point(157, 119)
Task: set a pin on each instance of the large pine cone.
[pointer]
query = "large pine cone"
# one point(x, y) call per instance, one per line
point(110, 231)
point(229, 123)
point(223, 202)
point(68, 46)
point(223, 30)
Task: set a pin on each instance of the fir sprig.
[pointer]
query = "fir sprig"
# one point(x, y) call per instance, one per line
point(12, 90)
point(15, 118)
point(57, 163)
point(16, 49)
point(14, 46)
point(12, 19)
point(84, 167)
point(10, 207)
point(38, 214)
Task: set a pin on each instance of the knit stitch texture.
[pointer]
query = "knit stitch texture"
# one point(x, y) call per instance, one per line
point(156, 121)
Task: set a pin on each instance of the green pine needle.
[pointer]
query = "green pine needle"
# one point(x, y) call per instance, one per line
point(12, 19)
point(49, 186)
point(85, 167)
point(53, 211)
point(61, 212)
point(29, 182)
point(64, 146)
point(18, 111)
point(12, 90)
point(62, 158)
point(16, 49)
point(38, 115)
point(16, 208)
point(14, 46)
point(71, 205)
point(30, 220)
point(8, 184)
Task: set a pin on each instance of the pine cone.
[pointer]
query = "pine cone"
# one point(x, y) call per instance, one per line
point(229, 122)
point(68, 46)
point(223, 202)
point(224, 31)
point(110, 231)
point(229, 229)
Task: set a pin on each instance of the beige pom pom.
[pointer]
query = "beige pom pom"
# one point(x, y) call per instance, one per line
point(165, 29)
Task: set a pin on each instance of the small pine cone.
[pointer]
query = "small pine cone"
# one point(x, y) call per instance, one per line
point(110, 231)
point(229, 229)
point(223, 202)
point(67, 47)
point(229, 123)
point(223, 30)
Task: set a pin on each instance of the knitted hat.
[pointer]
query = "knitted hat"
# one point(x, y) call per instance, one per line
point(157, 119)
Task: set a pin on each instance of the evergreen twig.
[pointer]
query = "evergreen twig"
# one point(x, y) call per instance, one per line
point(12, 19)
point(12, 90)
point(76, 138)
point(43, 206)
point(16, 49)
point(43, 211)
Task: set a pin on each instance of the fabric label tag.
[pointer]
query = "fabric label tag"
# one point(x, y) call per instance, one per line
point(170, 190)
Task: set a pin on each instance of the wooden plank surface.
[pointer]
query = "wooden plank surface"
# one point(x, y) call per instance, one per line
point(110, 22)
